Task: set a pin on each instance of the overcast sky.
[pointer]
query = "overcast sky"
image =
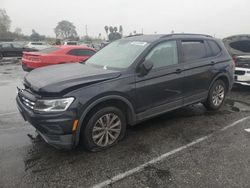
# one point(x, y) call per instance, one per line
point(215, 17)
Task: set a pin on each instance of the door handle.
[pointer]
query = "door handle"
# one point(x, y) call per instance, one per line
point(178, 71)
point(212, 62)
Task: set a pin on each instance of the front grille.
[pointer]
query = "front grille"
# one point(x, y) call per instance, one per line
point(240, 72)
point(28, 103)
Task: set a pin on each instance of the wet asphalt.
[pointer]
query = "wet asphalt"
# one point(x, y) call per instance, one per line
point(221, 160)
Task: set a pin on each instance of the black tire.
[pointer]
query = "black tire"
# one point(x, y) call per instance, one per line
point(87, 132)
point(25, 68)
point(210, 104)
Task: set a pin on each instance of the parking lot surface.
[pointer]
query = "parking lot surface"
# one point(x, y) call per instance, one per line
point(190, 147)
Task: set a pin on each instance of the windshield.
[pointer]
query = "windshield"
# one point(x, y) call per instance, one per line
point(118, 54)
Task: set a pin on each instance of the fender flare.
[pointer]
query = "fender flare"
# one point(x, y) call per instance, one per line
point(216, 78)
point(131, 120)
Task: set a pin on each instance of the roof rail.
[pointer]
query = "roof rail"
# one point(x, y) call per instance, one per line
point(133, 35)
point(185, 34)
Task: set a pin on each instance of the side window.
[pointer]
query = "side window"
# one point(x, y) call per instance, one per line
point(6, 45)
point(164, 54)
point(82, 52)
point(193, 50)
point(15, 45)
point(72, 52)
point(214, 47)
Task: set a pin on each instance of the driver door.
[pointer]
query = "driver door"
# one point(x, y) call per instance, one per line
point(161, 89)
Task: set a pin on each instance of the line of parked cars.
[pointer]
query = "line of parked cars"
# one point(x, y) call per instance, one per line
point(40, 54)
point(56, 55)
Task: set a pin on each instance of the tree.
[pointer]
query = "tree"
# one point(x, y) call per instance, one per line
point(121, 30)
point(65, 30)
point(111, 29)
point(36, 36)
point(112, 33)
point(18, 31)
point(106, 29)
point(4, 22)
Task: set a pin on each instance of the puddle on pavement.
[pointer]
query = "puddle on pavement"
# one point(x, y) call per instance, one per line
point(237, 106)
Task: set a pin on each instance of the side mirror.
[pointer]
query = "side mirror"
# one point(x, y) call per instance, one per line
point(145, 67)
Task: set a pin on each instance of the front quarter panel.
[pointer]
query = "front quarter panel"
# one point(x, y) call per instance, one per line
point(122, 88)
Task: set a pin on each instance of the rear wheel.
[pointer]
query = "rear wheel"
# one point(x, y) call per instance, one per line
point(25, 68)
point(104, 128)
point(216, 95)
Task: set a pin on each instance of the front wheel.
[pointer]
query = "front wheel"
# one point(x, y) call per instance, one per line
point(216, 95)
point(104, 128)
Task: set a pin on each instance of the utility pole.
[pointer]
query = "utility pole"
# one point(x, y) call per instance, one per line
point(86, 29)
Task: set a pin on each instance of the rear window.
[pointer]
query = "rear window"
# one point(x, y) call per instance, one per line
point(71, 43)
point(49, 50)
point(37, 43)
point(214, 47)
point(193, 49)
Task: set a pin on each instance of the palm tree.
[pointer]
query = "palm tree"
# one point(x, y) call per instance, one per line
point(111, 29)
point(106, 30)
point(120, 29)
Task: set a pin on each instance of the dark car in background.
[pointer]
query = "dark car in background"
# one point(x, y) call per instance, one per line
point(13, 49)
point(129, 81)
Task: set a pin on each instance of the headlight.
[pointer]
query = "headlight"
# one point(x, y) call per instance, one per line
point(54, 105)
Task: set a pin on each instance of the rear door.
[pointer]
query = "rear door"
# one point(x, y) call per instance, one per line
point(161, 89)
point(198, 63)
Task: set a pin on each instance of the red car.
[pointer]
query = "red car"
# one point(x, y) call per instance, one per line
point(56, 55)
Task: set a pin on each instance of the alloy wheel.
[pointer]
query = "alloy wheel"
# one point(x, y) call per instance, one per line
point(106, 130)
point(218, 95)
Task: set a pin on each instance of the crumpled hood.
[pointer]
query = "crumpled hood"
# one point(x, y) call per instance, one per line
point(58, 78)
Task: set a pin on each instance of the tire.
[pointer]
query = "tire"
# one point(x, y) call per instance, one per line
point(25, 68)
point(96, 136)
point(216, 96)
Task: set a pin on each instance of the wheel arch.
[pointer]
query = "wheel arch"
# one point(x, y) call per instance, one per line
point(224, 78)
point(114, 100)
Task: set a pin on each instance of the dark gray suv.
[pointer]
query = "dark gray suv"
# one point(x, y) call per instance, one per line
point(127, 82)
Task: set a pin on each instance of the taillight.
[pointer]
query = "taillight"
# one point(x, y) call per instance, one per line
point(31, 58)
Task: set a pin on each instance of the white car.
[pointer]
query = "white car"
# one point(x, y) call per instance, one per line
point(37, 45)
point(242, 70)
